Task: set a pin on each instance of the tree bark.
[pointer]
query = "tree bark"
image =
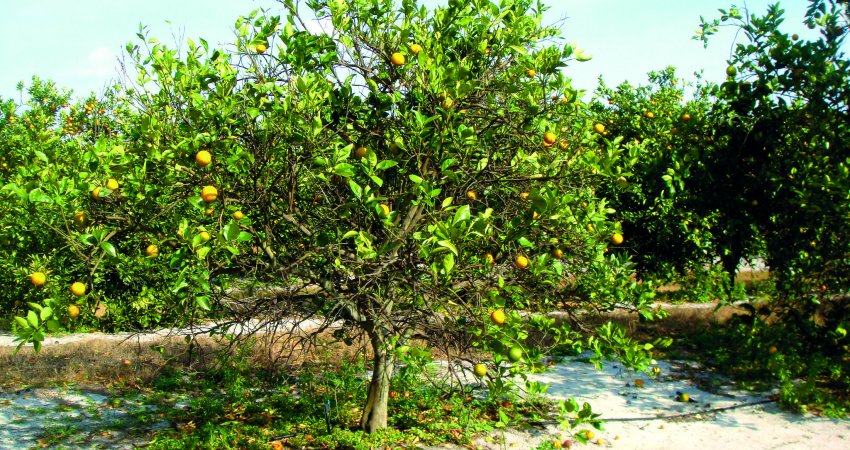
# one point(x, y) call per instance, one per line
point(375, 413)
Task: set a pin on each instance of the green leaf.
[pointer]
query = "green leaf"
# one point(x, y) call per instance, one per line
point(244, 236)
point(109, 249)
point(37, 196)
point(32, 318)
point(462, 215)
point(46, 313)
point(386, 164)
point(448, 262)
point(317, 125)
point(231, 231)
point(88, 239)
point(203, 302)
point(447, 202)
point(52, 326)
point(525, 242)
point(355, 189)
point(448, 245)
point(344, 170)
point(415, 178)
point(22, 323)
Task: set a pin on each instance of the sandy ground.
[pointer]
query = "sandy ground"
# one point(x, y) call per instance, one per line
point(647, 417)
point(651, 418)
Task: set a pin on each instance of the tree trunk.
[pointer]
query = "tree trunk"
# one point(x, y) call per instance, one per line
point(375, 413)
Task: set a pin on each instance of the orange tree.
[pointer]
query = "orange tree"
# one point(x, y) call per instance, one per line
point(781, 147)
point(414, 176)
point(56, 153)
point(669, 227)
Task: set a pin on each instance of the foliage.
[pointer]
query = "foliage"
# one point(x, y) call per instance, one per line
point(383, 189)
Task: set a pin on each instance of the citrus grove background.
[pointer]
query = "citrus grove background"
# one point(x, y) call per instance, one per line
point(430, 181)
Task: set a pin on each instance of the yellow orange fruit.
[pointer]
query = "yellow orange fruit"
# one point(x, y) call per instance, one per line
point(78, 288)
point(616, 238)
point(521, 262)
point(686, 117)
point(639, 383)
point(203, 158)
point(261, 48)
point(38, 278)
point(531, 73)
point(523, 195)
point(397, 59)
point(385, 209)
point(95, 193)
point(152, 251)
point(205, 237)
point(73, 311)
point(488, 258)
point(479, 370)
point(112, 184)
point(448, 103)
point(209, 193)
point(80, 218)
point(772, 349)
point(599, 128)
point(238, 215)
point(649, 115)
point(589, 435)
point(498, 317)
point(471, 195)
point(415, 49)
point(360, 152)
point(557, 253)
point(549, 138)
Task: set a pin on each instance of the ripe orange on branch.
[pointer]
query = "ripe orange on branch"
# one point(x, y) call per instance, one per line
point(549, 138)
point(78, 288)
point(203, 158)
point(415, 49)
point(112, 184)
point(397, 59)
point(152, 251)
point(80, 218)
point(479, 370)
point(38, 278)
point(73, 311)
point(599, 128)
point(521, 262)
point(360, 152)
point(616, 238)
point(209, 193)
point(498, 317)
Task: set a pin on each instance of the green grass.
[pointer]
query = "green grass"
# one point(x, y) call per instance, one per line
point(811, 372)
point(238, 406)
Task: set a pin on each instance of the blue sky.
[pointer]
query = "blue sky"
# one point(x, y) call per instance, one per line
point(77, 43)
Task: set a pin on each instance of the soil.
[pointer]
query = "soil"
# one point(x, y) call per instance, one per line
point(719, 416)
